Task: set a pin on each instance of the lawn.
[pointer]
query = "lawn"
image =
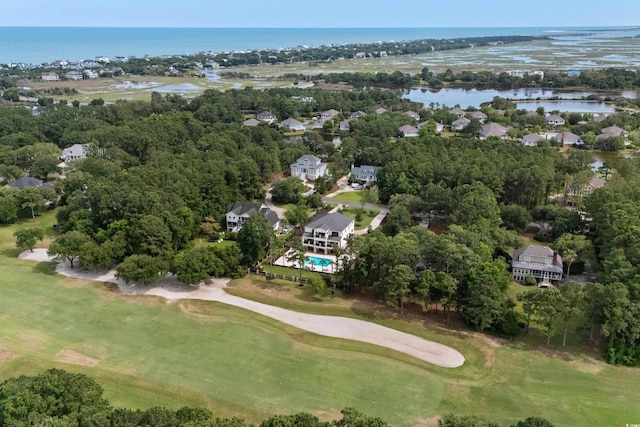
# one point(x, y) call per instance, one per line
point(288, 271)
point(146, 352)
point(367, 216)
point(349, 196)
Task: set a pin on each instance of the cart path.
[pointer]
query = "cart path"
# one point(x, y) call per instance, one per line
point(330, 326)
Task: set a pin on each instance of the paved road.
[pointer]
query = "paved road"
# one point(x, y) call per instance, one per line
point(375, 223)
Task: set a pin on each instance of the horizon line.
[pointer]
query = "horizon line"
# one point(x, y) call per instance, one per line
point(313, 27)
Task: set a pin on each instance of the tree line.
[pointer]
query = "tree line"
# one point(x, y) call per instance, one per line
point(60, 398)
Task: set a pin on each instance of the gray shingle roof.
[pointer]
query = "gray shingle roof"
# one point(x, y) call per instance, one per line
point(25, 181)
point(333, 221)
point(251, 208)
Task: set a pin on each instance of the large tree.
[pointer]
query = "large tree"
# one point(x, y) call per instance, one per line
point(28, 237)
point(571, 305)
point(487, 284)
point(140, 269)
point(69, 246)
point(254, 239)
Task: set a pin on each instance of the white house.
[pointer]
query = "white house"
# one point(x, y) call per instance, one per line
point(73, 75)
point(49, 77)
point(460, 124)
point(267, 116)
point(345, 126)
point(329, 114)
point(365, 173)
point(239, 212)
point(75, 152)
point(380, 110)
point(570, 139)
point(308, 167)
point(412, 114)
point(541, 262)
point(293, 125)
point(532, 139)
point(408, 131)
point(321, 233)
point(478, 115)
point(90, 74)
point(357, 115)
point(555, 120)
point(458, 112)
point(493, 129)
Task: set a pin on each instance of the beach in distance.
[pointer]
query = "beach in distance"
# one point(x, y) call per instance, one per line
point(36, 45)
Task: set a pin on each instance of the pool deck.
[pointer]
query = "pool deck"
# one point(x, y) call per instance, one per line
point(330, 269)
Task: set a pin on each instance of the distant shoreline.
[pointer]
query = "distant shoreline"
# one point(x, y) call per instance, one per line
point(37, 45)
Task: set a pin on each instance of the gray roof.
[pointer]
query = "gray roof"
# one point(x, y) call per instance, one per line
point(24, 182)
point(242, 208)
point(537, 266)
point(461, 121)
point(251, 208)
point(270, 216)
point(311, 158)
point(597, 182)
point(291, 122)
point(555, 118)
point(537, 252)
point(533, 250)
point(478, 115)
point(535, 137)
point(251, 122)
point(407, 129)
point(333, 221)
point(493, 129)
point(357, 170)
point(613, 130)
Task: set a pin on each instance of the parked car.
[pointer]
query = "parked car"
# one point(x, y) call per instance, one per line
point(356, 186)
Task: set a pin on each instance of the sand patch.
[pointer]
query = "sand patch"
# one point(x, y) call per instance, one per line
point(74, 358)
point(38, 254)
point(7, 356)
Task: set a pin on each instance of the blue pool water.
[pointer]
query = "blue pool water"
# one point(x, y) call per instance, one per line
point(320, 262)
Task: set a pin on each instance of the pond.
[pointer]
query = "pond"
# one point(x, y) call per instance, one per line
point(475, 97)
point(600, 157)
point(567, 106)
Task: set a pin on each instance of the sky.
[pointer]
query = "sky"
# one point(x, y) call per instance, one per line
point(324, 13)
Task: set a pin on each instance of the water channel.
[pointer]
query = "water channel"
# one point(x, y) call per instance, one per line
point(563, 101)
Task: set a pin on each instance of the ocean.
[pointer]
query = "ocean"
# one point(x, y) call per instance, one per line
point(37, 45)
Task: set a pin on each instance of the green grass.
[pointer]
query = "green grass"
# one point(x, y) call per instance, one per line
point(349, 196)
point(277, 269)
point(239, 363)
point(367, 216)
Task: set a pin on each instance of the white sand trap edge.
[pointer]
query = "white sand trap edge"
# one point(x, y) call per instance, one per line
point(330, 326)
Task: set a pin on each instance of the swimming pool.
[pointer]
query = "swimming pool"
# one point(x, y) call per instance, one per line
point(320, 262)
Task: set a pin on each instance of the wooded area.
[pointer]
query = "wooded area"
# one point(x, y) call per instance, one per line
point(160, 174)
